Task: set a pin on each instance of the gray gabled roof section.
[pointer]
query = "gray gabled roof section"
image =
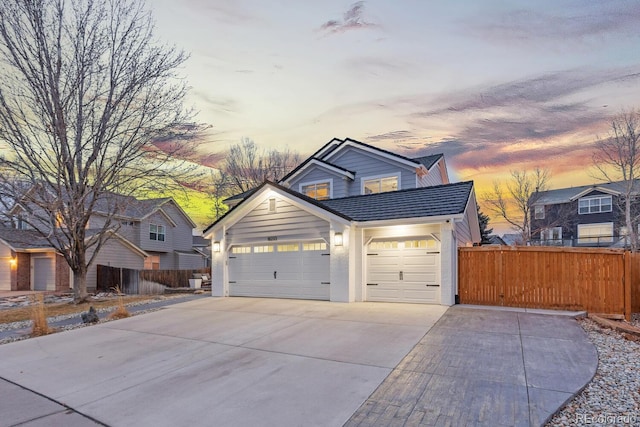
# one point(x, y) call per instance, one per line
point(428, 161)
point(436, 201)
point(565, 195)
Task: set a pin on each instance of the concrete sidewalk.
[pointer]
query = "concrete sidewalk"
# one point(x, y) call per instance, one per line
point(485, 368)
point(246, 361)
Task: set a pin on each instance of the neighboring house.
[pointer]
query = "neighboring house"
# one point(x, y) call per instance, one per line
point(494, 240)
point(351, 223)
point(203, 247)
point(150, 234)
point(588, 215)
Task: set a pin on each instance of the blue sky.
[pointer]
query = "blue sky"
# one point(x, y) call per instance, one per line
point(495, 85)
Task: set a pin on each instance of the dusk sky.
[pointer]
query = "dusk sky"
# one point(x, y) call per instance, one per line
point(494, 85)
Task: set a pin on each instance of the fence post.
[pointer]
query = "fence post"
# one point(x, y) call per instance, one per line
point(627, 285)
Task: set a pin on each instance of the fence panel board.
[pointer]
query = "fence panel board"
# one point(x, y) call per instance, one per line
point(546, 277)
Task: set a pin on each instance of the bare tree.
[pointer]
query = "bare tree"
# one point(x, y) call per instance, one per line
point(90, 105)
point(247, 166)
point(617, 160)
point(513, 200)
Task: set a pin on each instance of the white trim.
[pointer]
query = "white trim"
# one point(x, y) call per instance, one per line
point(596, 196)
point(320, 181)
point(583, 193)
point(321, 163)
point(239, 212)
point(398, 175)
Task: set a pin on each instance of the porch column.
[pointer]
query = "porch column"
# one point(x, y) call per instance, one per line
point(448, 263)
point(219, 277)
point(342, 264)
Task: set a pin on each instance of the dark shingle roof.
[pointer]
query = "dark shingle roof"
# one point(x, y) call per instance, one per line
point(441, 200)
point(23, 239)
point(428, 161)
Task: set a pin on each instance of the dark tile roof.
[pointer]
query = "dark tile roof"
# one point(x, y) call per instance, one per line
point(241, 196)
point(428, 161)
point(441, 200)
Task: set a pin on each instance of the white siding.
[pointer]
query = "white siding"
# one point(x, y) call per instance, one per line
point(435, 176)
point(5, 268)
point(114, 253)
point(287, 223)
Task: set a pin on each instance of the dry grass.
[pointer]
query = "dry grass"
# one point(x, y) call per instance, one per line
point(19, 314)
point(121, 311)
point(39, 317)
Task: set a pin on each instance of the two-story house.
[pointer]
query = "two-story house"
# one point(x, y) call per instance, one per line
point(588, 215)
point(148, 234)
point(351, 223)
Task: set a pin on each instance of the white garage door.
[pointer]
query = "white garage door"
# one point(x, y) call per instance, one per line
point(281, 270)
point(403, 270)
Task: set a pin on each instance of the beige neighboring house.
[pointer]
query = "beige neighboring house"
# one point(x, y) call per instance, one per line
point(151, 234)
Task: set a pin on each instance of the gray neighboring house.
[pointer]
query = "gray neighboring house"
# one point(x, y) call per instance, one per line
point(587, 215)
point(351, 223)
point(151, 234)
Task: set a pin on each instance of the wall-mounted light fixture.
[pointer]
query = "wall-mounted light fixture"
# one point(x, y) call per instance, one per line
point(216, 246)
point(13, 262)
point(337, 239)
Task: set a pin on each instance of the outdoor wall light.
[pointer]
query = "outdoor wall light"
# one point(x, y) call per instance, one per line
point(337, 239)
point(13, 262)
point(216, 246)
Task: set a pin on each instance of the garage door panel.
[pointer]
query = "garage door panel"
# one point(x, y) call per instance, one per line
point(404, 271)
point(298, 273)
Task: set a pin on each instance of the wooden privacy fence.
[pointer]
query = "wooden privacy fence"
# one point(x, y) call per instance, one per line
point(595, 280)
point(128, 279)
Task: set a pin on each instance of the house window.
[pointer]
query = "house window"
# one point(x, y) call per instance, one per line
point(156, 232)
point(241, 250)
point(272, 205)
point(595, 233)
point(315, 246)
point(539, 212)
point(290, 247)
point(317, 190)
point(589, 205)
point(552, 236)
point(152, 262)
point(379, 185)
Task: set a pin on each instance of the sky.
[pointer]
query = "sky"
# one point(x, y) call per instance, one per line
point(494, 85)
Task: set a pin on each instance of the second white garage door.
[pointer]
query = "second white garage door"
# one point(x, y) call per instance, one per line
point(282, 270)
point(403, 270)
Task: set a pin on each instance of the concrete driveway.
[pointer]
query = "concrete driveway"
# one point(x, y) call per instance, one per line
point(232, 361)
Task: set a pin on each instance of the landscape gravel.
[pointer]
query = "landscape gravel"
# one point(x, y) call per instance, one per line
point(612, 398)
point(26, 324)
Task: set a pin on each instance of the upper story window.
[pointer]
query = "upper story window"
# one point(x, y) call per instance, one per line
point(538, 212)
point(379, 185)
point(597, 204)
point(317, 190)
point(156, 232)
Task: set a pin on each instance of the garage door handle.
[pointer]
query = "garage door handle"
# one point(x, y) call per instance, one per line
point(372, 284)
point(433, 286)
point(401, 275)
point(275, 274)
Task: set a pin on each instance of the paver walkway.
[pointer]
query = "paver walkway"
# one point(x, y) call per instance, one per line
point(485, 367)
